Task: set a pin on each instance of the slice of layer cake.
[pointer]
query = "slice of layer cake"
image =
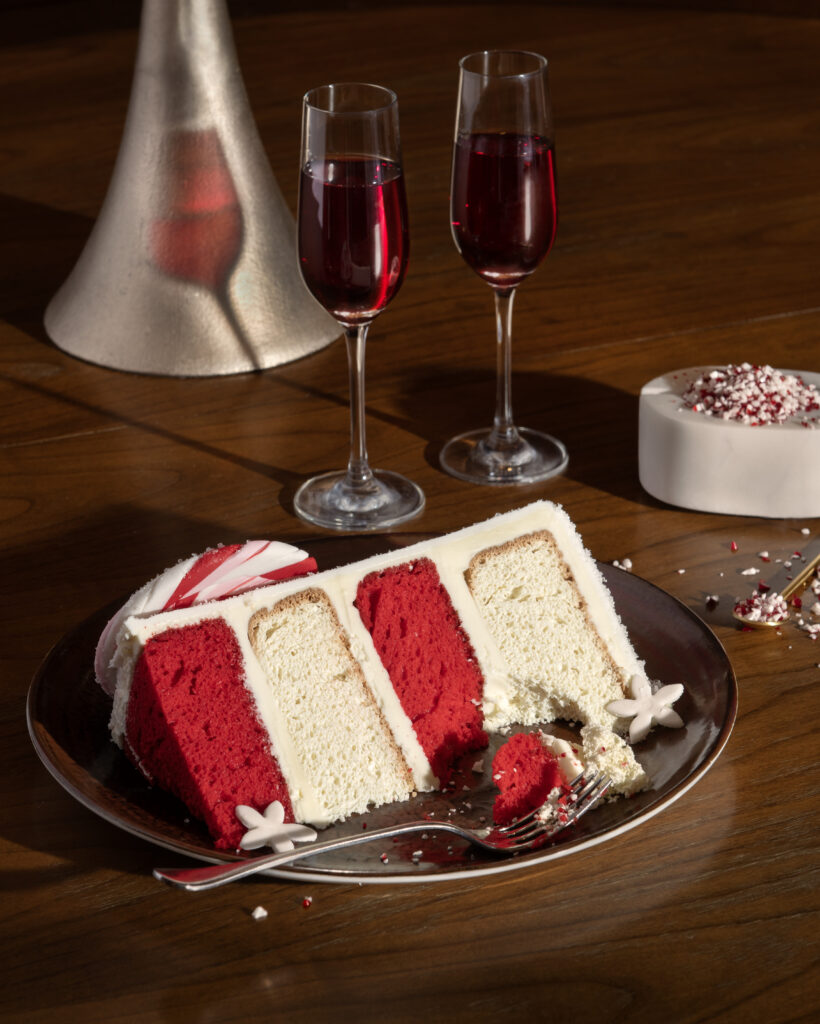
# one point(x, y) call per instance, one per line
point(368, 682)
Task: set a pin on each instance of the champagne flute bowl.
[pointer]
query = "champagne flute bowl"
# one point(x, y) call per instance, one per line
point(353, 246)
point(503, 212)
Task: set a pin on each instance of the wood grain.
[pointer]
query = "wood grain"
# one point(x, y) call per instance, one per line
point(689, 169)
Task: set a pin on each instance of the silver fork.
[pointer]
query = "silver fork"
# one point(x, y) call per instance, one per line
point(523, 834)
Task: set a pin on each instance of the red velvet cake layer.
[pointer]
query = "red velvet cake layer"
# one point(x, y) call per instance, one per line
point(525, 772)
point(192, 726)
point(428, 657)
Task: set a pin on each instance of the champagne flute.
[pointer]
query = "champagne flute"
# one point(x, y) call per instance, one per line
point(503, 214)
point(353, 244)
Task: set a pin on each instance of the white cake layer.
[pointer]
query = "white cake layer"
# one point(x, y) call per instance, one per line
point(451, 554)
point(713, 465)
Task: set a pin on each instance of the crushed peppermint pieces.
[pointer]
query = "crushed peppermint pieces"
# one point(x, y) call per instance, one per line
point(259, 913)
point(762, 606)
point(771, 608)
point(306, 902)
point(754, 395)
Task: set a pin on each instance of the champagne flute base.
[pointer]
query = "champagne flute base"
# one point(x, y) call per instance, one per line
point(336, 502)
point(531, 457)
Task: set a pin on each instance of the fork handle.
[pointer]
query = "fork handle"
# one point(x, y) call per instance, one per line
point(201, 878)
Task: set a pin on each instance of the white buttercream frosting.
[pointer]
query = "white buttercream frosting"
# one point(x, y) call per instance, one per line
point(569, 763)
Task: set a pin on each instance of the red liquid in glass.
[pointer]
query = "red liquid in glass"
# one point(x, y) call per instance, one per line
point(353, 240)
point(503, 204)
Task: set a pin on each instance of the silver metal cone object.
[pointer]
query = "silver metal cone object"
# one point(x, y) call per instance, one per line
point(191, 268)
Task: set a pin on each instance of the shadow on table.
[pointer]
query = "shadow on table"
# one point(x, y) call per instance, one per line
point(597, 422)
point(39, 246)
point(99, 560)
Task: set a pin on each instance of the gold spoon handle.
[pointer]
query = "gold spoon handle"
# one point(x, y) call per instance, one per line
point(801, 579)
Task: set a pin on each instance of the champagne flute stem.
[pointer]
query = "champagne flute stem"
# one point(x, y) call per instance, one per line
point(504, 433)
point(359, 474)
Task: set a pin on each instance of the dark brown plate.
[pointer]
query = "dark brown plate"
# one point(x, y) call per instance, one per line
point(68, 723)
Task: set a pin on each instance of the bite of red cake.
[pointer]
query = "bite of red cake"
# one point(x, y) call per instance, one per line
point(526, 772)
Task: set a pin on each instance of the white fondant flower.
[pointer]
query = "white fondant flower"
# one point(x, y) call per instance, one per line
point(647, 708)
point(269, 829)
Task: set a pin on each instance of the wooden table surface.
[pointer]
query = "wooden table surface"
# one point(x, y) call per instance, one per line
point(689, 163)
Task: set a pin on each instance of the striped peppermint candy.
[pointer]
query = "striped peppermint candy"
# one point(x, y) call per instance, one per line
point(216, 574)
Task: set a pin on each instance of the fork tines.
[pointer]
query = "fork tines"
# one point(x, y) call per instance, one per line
point(583, 794)
point(574, 790)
